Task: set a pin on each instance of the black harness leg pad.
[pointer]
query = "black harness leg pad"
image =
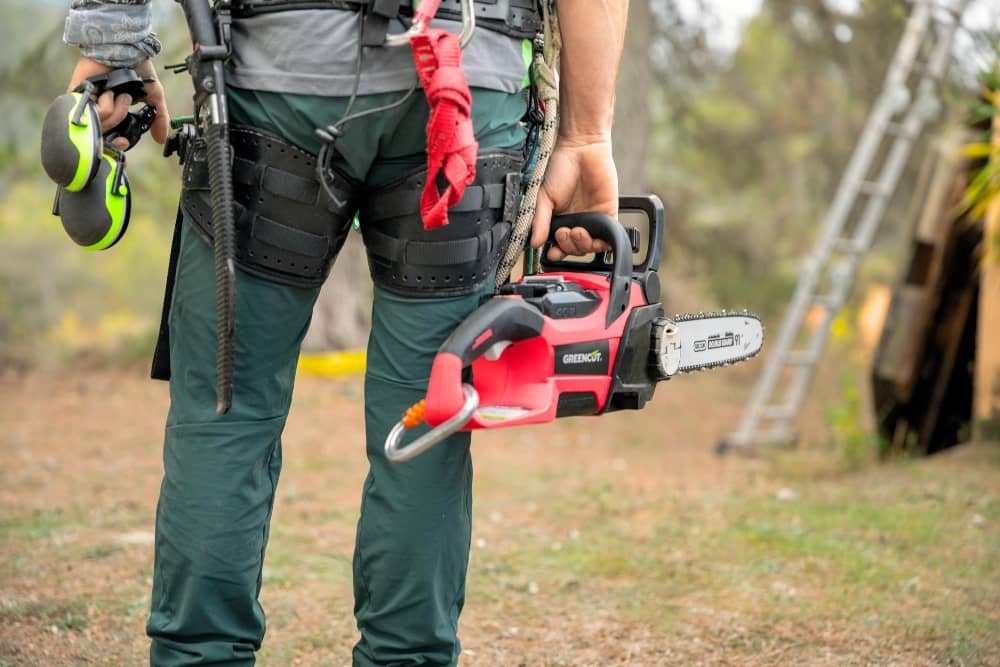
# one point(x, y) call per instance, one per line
point(288, 229)
point(452, 260)
point(160, 369)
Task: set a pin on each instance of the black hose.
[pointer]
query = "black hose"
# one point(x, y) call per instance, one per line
point(220, 178)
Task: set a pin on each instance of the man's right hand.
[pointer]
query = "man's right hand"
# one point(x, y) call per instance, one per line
point(112, 110)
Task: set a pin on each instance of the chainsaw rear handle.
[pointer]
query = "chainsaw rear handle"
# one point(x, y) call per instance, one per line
point(500, 321)
point(604, 228)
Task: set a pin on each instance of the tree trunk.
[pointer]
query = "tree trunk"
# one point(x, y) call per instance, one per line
point(632, 118)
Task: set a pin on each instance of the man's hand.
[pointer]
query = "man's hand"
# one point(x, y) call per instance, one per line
point(112, 110)
point(581, 176)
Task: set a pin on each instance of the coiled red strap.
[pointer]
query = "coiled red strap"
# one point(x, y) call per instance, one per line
point(451, 139)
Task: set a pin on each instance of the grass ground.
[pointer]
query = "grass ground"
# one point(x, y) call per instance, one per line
point(622, 540)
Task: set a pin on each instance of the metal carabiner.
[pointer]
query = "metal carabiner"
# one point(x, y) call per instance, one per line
point(398, 454)
point(418, 26)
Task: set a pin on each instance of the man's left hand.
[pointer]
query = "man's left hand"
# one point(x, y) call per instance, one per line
point(581, 176)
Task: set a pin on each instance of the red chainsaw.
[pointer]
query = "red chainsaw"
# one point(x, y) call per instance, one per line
point(582, 338)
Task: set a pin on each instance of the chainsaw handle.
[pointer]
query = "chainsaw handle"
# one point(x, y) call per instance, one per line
point(605, 228)
point(499, 320)
point(496, 323)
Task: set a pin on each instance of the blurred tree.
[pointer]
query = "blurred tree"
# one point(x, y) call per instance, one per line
point(751, 155)
point(342, 315)
point(635, 83)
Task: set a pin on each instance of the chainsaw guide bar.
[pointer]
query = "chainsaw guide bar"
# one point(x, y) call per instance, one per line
point(711, 340)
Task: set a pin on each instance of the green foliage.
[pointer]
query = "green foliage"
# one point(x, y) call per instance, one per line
point(749, 159)
point(872, 553)
point(856, 444)
point(984, 185)
point(69, 616)
point(57, 301)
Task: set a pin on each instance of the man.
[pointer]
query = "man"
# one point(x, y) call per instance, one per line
point(291, 72)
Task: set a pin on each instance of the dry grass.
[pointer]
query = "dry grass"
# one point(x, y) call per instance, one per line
point(616, 541)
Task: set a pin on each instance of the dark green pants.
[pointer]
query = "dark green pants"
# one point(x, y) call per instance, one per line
point(220, 473)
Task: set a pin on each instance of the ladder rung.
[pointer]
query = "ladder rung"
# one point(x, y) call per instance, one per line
point(848, 247)
point(781, 412)
point(827, 301)
point(895, 124)
point(899, 130)
point(779, 435)
point(924, 70)
point(874, 188)
point(801, 358)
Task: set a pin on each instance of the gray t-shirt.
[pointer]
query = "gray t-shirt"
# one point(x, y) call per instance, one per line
point(301, 51)
point(314, 51)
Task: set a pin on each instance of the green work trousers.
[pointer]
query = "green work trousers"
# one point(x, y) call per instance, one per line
point(220, 473)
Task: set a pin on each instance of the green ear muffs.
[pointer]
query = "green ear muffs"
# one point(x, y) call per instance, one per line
point(71, 140)
point(97, 216)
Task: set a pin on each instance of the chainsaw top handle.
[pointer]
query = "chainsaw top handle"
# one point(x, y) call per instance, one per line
point(605, 228)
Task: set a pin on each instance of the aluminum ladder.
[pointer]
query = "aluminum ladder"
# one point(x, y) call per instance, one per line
point(858, 208)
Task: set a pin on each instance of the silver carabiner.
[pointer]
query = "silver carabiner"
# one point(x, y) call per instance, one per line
point(398, 454)
point(468, 28)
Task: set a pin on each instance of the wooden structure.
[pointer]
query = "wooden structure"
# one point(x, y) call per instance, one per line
point(922, 372)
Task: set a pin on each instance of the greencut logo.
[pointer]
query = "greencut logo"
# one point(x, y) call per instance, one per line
point(594, 357)
point(587, 358)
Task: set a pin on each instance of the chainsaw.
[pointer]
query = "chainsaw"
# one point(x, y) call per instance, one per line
point(581, 338)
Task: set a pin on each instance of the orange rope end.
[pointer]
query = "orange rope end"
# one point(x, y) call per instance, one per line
point(414, 416)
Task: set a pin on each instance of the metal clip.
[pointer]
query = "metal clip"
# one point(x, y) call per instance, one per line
point(468, 28)
point(398, 454)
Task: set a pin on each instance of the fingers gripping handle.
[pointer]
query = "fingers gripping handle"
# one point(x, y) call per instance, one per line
point(609, 230)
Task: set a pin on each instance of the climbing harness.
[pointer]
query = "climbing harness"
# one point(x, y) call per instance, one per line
point(453, 260)
point(451, 141)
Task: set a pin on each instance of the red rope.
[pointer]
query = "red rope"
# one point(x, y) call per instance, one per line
point(451, 139)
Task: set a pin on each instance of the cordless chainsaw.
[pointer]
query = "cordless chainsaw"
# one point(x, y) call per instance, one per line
point(582, 338)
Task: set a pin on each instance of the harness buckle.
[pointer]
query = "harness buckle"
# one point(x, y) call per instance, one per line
point(421, 21)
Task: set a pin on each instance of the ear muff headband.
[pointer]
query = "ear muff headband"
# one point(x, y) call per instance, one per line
point(85, 134)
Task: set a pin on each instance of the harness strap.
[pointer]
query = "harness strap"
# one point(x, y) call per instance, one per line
point(242, 9)
point(451, 139)
point(437, 253)
point(516, 18)
point(476, 198)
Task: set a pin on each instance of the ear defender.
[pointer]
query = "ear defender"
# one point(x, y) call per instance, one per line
point(97, 216)
point(71, 140)
point(94, 198)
